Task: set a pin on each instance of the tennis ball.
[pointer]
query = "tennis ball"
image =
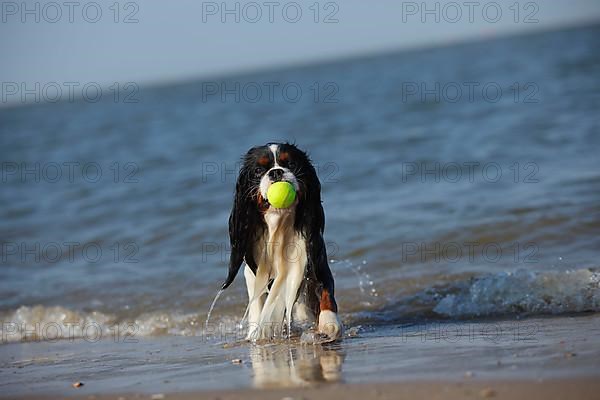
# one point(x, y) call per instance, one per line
point(281, 194)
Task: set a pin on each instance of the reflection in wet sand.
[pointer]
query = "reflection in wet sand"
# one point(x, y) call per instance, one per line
point(288, 365)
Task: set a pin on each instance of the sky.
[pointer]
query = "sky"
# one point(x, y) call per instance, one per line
point(162, 41)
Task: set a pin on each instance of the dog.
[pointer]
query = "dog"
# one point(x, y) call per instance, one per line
point(284, 255)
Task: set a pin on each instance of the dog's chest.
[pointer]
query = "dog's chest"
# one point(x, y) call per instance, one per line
point(280, 248)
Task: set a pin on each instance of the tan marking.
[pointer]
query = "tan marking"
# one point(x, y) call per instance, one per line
point(327, 301)
point(264, 161)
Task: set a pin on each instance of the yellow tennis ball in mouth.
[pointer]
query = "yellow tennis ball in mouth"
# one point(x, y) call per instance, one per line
point(281, 194)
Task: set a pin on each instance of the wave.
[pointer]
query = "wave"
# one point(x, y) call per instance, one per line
point(42, 323)
point(522, 293)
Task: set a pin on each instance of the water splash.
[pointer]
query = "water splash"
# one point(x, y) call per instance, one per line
point(365, 283)
point(212, 306)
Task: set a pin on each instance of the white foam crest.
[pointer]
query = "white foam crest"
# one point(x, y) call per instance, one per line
point(52, 323)
point(525, 292)
point(40, 323)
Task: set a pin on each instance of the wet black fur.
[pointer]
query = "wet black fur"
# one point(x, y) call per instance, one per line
point(246, 222)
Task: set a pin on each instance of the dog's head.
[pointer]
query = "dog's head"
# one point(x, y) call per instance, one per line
point(262, 166)
point(271, 163)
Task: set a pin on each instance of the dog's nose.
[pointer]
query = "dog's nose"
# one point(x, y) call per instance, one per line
point(276, 174)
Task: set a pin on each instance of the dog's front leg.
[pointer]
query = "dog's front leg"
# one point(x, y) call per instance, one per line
point(329, 323)
point(255, 304)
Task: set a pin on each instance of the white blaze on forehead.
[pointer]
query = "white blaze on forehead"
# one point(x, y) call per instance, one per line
point(288, 175)
point(274, 148)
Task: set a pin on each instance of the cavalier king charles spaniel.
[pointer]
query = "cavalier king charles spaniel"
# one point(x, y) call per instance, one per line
point(285, 260)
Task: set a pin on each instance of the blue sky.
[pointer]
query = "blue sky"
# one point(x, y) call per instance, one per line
point(179, 40)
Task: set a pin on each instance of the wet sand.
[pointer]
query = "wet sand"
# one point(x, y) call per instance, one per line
point(551, 357)
point(542, 389)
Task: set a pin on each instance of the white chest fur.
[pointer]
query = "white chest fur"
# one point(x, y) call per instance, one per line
point(280, 256)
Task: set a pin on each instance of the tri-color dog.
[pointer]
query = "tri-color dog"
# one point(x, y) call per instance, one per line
point(286, 270)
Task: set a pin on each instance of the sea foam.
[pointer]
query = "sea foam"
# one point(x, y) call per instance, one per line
point(524, 293)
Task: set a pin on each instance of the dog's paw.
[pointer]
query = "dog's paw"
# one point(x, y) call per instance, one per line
point(330, 325)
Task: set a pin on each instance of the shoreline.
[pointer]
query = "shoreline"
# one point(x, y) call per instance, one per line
point(516, 358)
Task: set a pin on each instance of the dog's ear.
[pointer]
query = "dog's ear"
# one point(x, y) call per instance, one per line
point(310, 218)
point(243, 222)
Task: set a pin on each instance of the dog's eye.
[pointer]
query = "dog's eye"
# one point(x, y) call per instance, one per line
point(259, 171)
point(291, 165)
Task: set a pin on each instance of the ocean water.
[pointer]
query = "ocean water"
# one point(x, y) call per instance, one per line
point(459, 183)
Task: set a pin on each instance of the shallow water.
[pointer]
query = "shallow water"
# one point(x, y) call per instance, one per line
point(535, 349)
point(436, 208)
